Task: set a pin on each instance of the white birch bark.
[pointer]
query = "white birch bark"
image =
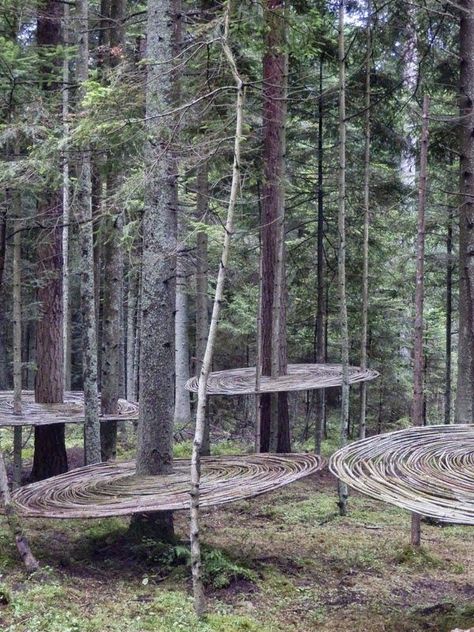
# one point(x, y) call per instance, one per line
point(199, 598)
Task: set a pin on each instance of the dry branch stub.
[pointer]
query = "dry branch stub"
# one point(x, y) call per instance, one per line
point(114, 489)
point(71, 411)
point(299, 377)
point(428, 470)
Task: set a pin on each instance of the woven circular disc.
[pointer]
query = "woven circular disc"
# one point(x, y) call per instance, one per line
point(113, 489)
point(69, 412)
point(428, 470)
point(300, 377)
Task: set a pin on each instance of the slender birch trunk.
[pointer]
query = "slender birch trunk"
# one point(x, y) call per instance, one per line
point(202, 298)
point(418, 355)
point(342, 487)
point(199, 598)
point(320, 346)
point(365, 240)
point(92, 450)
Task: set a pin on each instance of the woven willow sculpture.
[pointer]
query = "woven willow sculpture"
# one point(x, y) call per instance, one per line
point(113, 489)
point(71, 411)
point(428, 470)
point(299, 377)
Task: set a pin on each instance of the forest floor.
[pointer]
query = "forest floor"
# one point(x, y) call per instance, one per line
point(283, 561)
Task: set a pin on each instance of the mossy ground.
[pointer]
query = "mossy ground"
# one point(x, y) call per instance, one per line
point(281, 562)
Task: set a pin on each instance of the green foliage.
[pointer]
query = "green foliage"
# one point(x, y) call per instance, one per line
point(418, 556)
point(220, 571)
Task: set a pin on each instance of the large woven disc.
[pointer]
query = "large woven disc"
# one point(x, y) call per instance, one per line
point(300, 377)
point(428, 470)
point(113, 489)
point(70, 412)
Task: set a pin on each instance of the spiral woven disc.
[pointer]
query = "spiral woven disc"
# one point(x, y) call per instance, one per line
point(114, 489)
point(299, 377)
point(428, 470)
point(69, 412)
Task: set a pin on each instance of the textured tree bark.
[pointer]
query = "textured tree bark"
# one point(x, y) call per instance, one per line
point(342, 487)
point(274, 418)
point(132, 306)
point(66, 207)
point(449, 316)
point(17, 339)
point(3, 243)
point(202, 299)
point(92, 450)
point(112, 338)
point(465, 381)
point(112, 325)
point(155, 426)
point(50, 449)
point(320, 338)
point(198, 589)
point(365, 241)
point(50, 456)
point(418, 355)
point(182, 408)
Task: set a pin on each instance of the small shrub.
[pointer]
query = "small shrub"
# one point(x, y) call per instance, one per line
point(417, 556)
point(220, 571)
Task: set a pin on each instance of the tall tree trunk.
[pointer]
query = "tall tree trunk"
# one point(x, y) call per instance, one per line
point(342, 487)
point(92, 450)
point(202, 300)
point(418, 355)
point(155, 426)
point(112, 331)
point(274, 422)
point(449, 316)
point(182, 407)
point(198, 589)
point(3, 243)
point(17, 338)
point(132, 304)
point(320, 346)
point(66, 208)
point(465, 383)
point(365, 241)
point(50, 448)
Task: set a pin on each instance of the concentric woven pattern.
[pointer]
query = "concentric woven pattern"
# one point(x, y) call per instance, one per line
point(71, 411)
point(428, 470)
point(300, 377)
point(113, 489)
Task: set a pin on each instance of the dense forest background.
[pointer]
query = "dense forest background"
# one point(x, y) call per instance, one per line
point(47, 116)
point(307, 168)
